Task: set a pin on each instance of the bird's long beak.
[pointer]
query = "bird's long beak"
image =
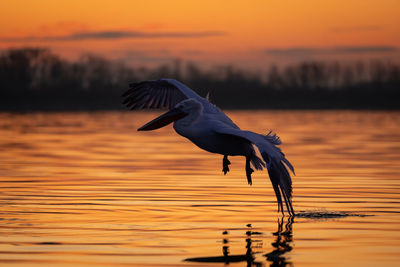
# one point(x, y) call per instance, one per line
point(163, 120)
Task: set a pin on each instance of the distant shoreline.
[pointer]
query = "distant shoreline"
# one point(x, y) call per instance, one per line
point(34, 79)
point(90, 110)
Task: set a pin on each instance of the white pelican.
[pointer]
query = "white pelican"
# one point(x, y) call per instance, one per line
point(209, 128)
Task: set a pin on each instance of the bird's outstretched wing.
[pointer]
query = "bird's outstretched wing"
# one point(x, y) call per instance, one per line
point(166, 93)
point(158, 94)
point(275, 161)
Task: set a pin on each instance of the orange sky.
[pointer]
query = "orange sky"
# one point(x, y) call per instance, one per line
point(248, 33)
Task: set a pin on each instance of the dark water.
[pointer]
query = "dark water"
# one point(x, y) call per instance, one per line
point(87, 189)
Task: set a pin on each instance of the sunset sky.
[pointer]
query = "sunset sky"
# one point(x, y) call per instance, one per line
point(243, 33)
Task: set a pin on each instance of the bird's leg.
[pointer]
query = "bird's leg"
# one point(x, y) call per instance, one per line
point(225, 163)
point(249, 170)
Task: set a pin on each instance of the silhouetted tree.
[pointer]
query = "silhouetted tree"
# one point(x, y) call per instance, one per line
point(36, 78)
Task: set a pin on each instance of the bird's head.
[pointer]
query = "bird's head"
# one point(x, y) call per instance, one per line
point(185, 112)
point(190, 106)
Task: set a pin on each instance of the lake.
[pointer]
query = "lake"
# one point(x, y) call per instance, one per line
point(87, 189)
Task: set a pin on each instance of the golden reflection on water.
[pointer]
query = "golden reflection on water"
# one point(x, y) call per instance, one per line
point(87, 189)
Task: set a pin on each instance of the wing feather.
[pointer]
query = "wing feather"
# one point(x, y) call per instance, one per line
point(167, 98)
point(170, 100)
point(162, 93)
point(164, 99)
point(165, 93)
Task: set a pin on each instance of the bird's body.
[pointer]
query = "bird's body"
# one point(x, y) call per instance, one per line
point(204, 135)
point(210, 129)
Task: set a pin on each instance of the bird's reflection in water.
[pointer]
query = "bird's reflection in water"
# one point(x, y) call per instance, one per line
point(227, 257)
point(281, 245)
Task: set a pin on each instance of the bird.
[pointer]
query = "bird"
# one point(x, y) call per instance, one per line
point(205, 125)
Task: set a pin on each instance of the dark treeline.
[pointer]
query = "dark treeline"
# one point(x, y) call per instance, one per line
point(37, 79)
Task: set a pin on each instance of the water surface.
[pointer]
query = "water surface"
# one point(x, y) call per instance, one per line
point(87, 189)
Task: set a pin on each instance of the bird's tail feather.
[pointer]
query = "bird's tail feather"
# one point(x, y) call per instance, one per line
point(281, 182)
point(274, 160)
point(257, 163)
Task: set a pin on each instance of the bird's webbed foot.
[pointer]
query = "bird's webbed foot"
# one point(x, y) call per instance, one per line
point(249, 171)
point(225, 164)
